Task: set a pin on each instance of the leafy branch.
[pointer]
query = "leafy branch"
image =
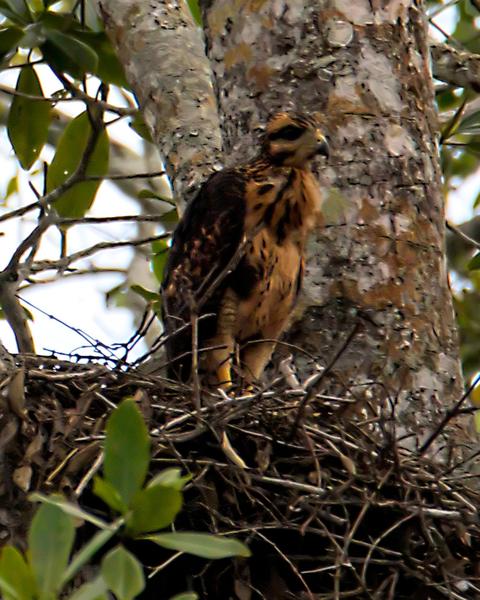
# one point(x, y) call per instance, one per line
point(145, 508)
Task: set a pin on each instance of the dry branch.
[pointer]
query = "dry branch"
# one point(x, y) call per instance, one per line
point(461, 69)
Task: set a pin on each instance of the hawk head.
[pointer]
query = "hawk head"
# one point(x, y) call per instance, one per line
point(293, 139)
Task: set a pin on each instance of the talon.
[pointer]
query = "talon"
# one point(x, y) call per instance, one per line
point(248, 391)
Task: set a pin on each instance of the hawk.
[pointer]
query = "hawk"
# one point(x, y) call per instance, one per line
point(237, 257)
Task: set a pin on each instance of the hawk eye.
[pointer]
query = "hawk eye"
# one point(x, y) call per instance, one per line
point(289, 132)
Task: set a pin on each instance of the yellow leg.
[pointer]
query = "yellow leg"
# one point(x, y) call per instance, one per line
point(224, 375)
point(219, 361)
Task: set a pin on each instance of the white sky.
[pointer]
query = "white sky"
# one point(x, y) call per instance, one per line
point(80, 302)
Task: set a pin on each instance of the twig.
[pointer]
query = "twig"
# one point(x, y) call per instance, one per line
point(289, 562)
point(91, 341)
point(462, 235)
point(168, 561)
point(195, 374)
point(128, 176)
point(47, 265)
point(294, 485)
point(449, 415)
point(456, 67)
point(80, 97)
point(108, 220)
point(314, 381)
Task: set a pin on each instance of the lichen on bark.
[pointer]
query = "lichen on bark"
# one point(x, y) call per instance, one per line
point(378, 259)
point(162, 51)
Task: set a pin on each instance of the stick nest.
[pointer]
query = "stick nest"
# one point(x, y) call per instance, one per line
point(331, 504)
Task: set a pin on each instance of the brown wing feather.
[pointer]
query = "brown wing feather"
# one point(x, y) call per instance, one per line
point(203, 243)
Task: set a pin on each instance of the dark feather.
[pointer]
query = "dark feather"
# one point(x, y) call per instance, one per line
point(203, 243)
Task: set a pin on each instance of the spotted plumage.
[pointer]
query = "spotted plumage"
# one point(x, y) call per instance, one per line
point(236, 262)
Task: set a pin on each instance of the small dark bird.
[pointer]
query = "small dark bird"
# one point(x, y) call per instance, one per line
point(236, 263)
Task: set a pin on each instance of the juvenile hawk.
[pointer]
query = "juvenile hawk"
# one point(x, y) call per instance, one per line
point(237, 255)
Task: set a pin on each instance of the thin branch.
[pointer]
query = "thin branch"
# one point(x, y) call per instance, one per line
point(31, 240)
point(78, 97)
point(47, 265)
point(446, 35)
point(463, 236)
point(449, 415)
point(92, 342)
point(315, 380)
point(456, 67)
point(435, 12)
point(289, 563)
point(122, 177)
point(119, 219)
point(93, 270)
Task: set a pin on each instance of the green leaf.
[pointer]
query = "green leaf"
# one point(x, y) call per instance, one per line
point(20, 8)
point(92, 20)
point(69, 54)
point(10, 14)
point(78, 199)
point(28, 119)
point(123, 573)
point(200, 544)
point(69, 509)
point(8, 39)
point(196, 12)
point(88, 551)
point(33, 37)
point(8, 591)
point(186, 596)
point(146, 193)
point(12, 188)
point(153, 508)
point(470, 125)
point(92, 590)
point(127, 450)
point(171, 478)
point(36, 6)
point(159, 259)
point(476, 204)
point(470, 9)
point(140, 127)
point(474, 264)
point(476, 418)
point(15, 574)
point(109, 69)
point(169, 219)
point(50, 541)
point(109, 494)
point(145, 294)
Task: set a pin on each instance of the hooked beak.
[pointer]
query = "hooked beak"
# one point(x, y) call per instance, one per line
point(322, 146)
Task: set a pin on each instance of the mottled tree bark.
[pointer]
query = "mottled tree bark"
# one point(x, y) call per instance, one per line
point(378, 258)
point(377, 261)
point(163, 54)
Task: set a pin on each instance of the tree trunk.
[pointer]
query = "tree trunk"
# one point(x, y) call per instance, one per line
point(376, 263)
point(162, 52)
point(378, 258)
